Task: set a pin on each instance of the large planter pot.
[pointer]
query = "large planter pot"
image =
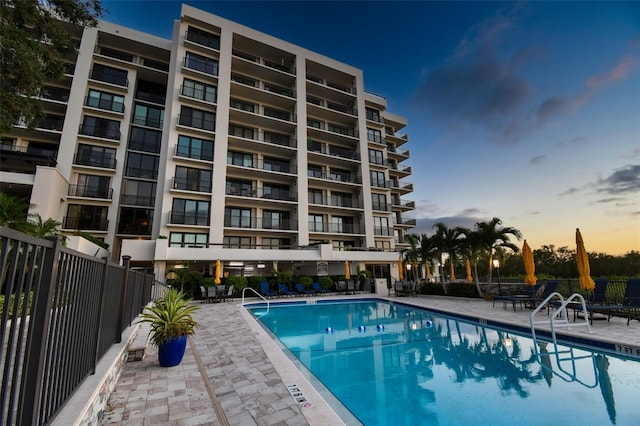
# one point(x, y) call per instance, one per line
point(170, 353)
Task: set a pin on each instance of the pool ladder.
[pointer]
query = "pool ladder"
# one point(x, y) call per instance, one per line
point(259, 295)
point(560, 318)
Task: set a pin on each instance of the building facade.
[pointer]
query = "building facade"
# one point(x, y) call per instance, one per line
point(221, 143)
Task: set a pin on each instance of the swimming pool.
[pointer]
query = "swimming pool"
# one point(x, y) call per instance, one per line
point(393, 364)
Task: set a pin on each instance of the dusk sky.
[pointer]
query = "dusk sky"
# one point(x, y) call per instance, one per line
point(526, 111)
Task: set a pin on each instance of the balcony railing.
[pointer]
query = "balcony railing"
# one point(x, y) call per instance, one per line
point(144, 120)
point(90, 191)
point(381, 183)
point(55, 93)
point(198, 123)
point(137, 200)
point(189, 185)
point(108, 105)
point(335, 228)
point(331, 84)
point(90, 224)
point(382, 231)
point(112, 78)
point(51, 123)
point(268, 166)
point(264, 193)
point(334, 177)
point(333, 151)
point(183, 218)
point(335, 201)
point(95, 161)
point(99, 132)
point(254, 222)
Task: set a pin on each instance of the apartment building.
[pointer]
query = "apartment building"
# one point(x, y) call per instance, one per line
point(222, 143)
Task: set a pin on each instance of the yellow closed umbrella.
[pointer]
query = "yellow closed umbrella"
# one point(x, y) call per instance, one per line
point(529, 265)
point(469, 276)
point(217, 278)
point(582, 261)
point(347, 272)
point(400, 270)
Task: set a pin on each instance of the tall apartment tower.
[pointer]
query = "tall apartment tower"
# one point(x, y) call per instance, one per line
point(222, 143)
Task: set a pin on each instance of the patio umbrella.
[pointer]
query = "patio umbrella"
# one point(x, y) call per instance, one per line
point(582, 261)
point(217, 279)
point(469, 276)
point(529, 265)
point(400, 269)
point(347, 272)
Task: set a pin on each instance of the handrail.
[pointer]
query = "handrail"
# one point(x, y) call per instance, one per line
point(538, 308)
point(259, 295)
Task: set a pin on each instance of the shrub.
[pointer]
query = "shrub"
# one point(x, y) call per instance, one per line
point(462, 290)
point(306, 282)
point(432, 288)
point(326, 283)
point(170, 317)
point(238, 282)
point(254, 282)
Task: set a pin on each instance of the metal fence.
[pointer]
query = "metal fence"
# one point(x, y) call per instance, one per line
point(61, 311)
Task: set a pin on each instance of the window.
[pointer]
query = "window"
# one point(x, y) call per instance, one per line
point(276, 138)
point(135, 221)
point(342, 224)
point(237, 217)
point(275, 165)
point(242, 105)
point(242, 79)
point(190, 212)
point(96, 156)
point(197, 118)
point(100, 127)
point(373, 114)
point(381, 226)
point(276, 113)
point(311, 122)
point(109, 75)
point(151, 92)
point(103, 100)
point(148, 116)
point(342, 199)
point(86, 217)
point(275, 191)
point(340, 175)
point(314, 171)
point(316, 223)
point(142, 165)
point(192, 179)
point(241, 132)
point(378, 179)
point(239, 187)
point(316, 196)
point(138, 193)
point(383, 245)
point(376, 157)
point(201, 91)
point(314, 146)
point(239, 159)
point(187, 239)
point(146, 140)
point(374, 135)
point(238, 242)
point(194, 148)
point(92, 186)
point(379, 201)
point(342, 245)
point(203, 37)
point(275, 220)
point(274, 243)
point(201, 63)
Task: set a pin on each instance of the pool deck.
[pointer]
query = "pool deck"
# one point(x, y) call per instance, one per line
point(233, 373)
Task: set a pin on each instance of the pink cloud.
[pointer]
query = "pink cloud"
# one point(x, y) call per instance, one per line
point(620, 71)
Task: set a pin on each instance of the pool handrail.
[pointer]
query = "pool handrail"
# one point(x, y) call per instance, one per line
point(259, 295)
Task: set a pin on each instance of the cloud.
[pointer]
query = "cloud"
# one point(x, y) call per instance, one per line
point(622, 181)
point(578, 140)
point(570, 191)
point(620, 71)
point(538, 159)
point(558, 106)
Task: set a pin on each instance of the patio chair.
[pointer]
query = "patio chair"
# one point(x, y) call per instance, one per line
point(318, 288)
point(284, 290)
point(229, 294)
point(203, 294)
point(351, 287)
point(302, 290)
point(629, 308)
point(398, 287)
point(266, 291)
point(341, 286)
point(220, 292)
point(212, 294)
point(538, 294)
point(594, 299)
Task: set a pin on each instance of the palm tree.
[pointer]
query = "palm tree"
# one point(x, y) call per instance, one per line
point(471, 249)
point(44, 229)
point(428, 249)
point(491, 236)
point(14, 213)
point(448, 241)
point(412, 254)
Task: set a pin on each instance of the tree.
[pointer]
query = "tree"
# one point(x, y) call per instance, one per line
point(492, 235)
point(448, 241)
point(46, 228)
point(35, 40)
point(471, 247)
point(14, 213)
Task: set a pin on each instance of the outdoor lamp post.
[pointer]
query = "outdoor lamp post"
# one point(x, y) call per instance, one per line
point(496, 265)
point(408, 270)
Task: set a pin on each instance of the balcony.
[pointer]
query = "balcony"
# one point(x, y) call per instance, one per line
point(197, 123)
point(402, 187)
point(269, 165)
point(104, 104)
point(332, 150)
point(106, 75)
point(263, 193)
point(20, 159)
point(404, 204)
point(342, 178)
point(382, 231)
point(184, 218)
point(335, 201)
point(253, 222)
point(137, 200)
point(380, 183)
point(57, 94)
point(190, 185)
point(330, 84)
point(99, 132)
point(279, 66)
point(405, 223)
point(90, 192)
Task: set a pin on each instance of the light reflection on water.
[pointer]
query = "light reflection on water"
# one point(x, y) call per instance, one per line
point(395, 365)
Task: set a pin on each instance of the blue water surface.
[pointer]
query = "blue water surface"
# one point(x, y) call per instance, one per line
point(390, 364)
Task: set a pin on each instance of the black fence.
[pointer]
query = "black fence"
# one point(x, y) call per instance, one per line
point(61, 311)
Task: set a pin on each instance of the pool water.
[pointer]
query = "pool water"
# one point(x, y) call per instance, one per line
point(391, 364)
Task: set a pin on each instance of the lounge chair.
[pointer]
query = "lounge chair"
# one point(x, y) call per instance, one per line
point(596, 298)
point(266, 291)
point(538, 294)
point(629, 308)
point(318, 288)
point(302, 290)
point(284, 290)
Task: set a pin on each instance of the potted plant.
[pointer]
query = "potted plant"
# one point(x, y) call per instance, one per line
point(171, 320)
